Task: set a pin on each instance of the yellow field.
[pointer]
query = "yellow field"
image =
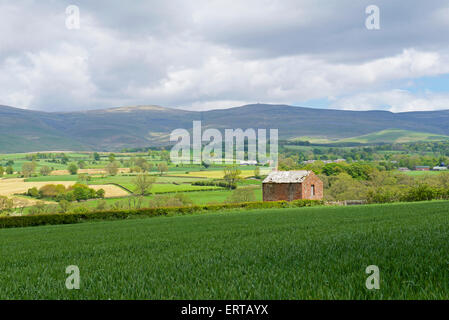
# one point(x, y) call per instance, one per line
point(218, 174)
point(9, 187)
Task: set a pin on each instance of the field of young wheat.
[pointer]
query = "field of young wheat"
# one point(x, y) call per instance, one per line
point(301, 253)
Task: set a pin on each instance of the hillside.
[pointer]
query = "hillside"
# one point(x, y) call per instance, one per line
point(396, 136)
point(384, 136)
point(116, 128)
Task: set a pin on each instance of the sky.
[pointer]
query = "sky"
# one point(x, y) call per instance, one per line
point(212, 54)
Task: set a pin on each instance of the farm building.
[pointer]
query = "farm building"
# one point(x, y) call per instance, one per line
point(422, 168)
point(292, 185)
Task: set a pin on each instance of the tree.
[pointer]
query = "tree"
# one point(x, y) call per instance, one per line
point(6, 204)
point(28, 169)
point(83, 177)
point(9, 170)
point(232, 175)
point(100, 193)
point(112, 168)
point(2, 171)
point(165, 156)
point(142, 164)
point(50, 190)
point(64, 158)
point(162, 167)
point(64, 206)
point(96, 156)
point(82, 192)
point(81, 164)
point(143, 183)
point(73, 168)
point(45, 170)
point(111, 157)
point(257, 172)
point(33, 192)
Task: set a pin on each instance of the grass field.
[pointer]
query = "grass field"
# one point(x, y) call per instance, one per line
point(307, 253)
point(197, 197)
point(422, 173)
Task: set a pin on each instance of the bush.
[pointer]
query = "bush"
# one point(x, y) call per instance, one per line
point(242, 195)
point(422, 192)
point(33, 192)
point(221, 184)
point(72, 168)
point(383, 195)
point(6, 204)
point(178, 200)
point(100, 193)
point(51, 190)
point(45, 170)
point(58, 192)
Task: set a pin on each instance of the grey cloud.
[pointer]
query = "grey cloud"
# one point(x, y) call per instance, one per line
point(204, 53)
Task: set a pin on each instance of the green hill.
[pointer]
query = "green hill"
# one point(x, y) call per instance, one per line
point(116, 128)
point(396, 136)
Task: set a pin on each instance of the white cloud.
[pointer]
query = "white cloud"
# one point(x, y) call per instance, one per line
point(287, 79)
point(395, 101)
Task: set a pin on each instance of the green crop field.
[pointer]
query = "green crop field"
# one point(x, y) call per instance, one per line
point(422, 173)
point(306, 253)
point(50, 179)
point(198, 197)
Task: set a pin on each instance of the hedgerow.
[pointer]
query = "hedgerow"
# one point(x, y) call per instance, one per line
point(70, 218)
point(221, 184)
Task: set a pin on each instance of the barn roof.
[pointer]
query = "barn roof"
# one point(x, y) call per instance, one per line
point(286, 176)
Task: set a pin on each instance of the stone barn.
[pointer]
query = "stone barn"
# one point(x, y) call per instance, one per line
point(292, 185)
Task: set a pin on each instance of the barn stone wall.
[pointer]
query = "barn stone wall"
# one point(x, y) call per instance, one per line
point(293, 191)
point(312, 179)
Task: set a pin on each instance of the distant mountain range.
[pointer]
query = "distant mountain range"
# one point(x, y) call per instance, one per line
point(116, 128)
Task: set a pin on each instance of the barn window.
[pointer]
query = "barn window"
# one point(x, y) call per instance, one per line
point(313, 189)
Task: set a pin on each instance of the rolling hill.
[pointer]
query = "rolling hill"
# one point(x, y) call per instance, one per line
point(112, 129)
point(384, 136)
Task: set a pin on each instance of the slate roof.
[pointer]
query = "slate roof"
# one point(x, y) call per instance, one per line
point(287, 176)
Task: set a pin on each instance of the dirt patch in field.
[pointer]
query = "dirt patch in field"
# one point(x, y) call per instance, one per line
point(20, 202)
point(9, 187)
point(111, 191)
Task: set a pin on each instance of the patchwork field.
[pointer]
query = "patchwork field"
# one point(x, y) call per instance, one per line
point(218, 174)
point(9, 187)
point(307, 253)
point(87, 171)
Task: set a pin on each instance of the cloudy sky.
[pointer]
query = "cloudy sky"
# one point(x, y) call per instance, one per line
point(208, 54)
